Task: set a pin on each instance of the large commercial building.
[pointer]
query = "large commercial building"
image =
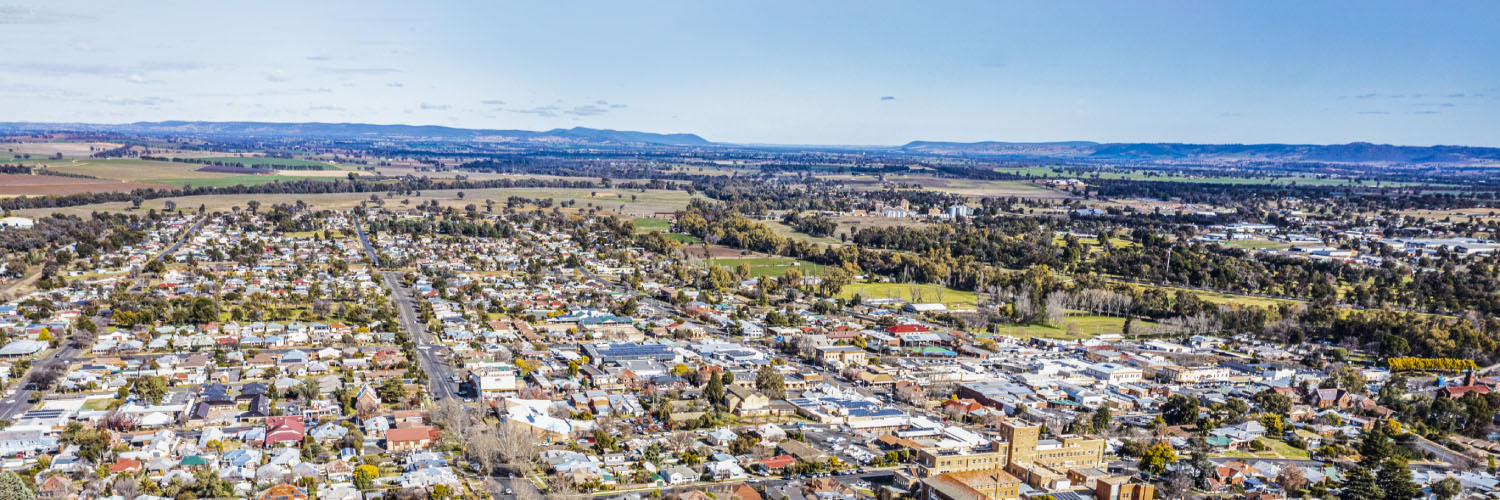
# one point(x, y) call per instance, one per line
point(1028, 449)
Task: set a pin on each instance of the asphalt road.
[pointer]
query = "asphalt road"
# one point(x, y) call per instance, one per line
point(182, 238)
point(365, 240)
point(438, 371)
point(13, 406)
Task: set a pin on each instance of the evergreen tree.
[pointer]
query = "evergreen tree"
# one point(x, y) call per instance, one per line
point(714, 393)
point(12, 487)
point(1360, 485)
point(1395, 480)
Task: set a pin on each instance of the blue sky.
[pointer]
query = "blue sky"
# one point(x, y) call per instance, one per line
point(860, 72)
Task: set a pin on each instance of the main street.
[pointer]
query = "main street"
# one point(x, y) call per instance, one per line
point(440, 374)
point(15, 405)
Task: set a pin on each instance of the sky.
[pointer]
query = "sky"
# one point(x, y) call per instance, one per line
point(865, 72)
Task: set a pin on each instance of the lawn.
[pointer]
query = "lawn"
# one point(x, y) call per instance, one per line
point(954, 299)
point(1277, 447)
point(775, 267)
point(97, 403)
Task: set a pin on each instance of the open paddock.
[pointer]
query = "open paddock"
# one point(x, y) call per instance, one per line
point(41, 185)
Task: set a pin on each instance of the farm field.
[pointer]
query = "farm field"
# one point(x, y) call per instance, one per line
point(967, 187)
point(232, 180)
point(67, 148)
point(130, 169)
point(953, 299)
point(249, 161)
point(39, 185)
point(774, 267)
point(646, 203)
point(1050, 172)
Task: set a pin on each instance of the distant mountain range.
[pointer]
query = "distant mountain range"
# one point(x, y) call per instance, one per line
point(1356, 152)
point(365, 131)
point(1085, 151)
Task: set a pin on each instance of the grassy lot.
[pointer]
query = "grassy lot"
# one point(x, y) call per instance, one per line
point(1087, 326)
point(1223, 298)
point(683, 238)
point(649, 224)
point(761, 267)
point(97, 403)
point(279, 162)
point(1278, 449)
point(786, 231)
point(954, 299)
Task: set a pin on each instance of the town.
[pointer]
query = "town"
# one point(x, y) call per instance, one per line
point(283, 352)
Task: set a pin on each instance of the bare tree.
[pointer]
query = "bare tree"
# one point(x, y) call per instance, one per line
point(126, 486)
point(681, 441)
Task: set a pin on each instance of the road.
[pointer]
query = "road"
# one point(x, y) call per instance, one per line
point(439, 372)
point(13, 406)
point(182, 238)
point(1456, 459)
point(365, 241)
point(518, 485)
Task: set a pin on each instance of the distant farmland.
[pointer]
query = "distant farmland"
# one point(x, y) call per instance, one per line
point(40, 185)
point(267, 163)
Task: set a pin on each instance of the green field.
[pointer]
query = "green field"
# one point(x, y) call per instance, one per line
point(649, 224)
point(279, 162)
point(233, 180)
point(954, 299)
point(1257, 244)
point(769, 266)
point(130, 169)
point(1087, 326)
point(682, 238)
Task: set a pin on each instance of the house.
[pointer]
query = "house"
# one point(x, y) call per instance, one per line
point(56, 486)
point(1331, 398)
point(409, 438)
point(284, 430)
point(746, 402)
point(339, 471)
point(283, 492)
